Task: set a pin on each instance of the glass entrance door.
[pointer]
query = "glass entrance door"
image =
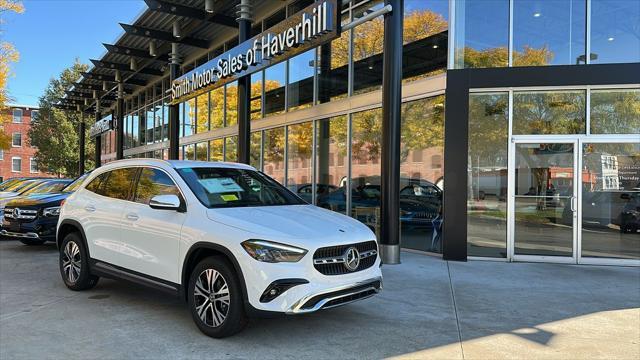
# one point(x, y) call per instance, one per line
point(544, 203)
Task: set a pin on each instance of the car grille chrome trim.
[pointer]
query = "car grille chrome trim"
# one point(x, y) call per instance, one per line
point(28, 235)
point(20, 214)
point(337, 296)
point(332, 260)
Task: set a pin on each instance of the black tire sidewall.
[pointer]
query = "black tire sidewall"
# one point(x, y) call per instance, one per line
point(236, 319)
point(85, 279)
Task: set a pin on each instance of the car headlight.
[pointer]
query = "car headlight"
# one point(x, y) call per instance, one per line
point(52, 211)
point(272, 252)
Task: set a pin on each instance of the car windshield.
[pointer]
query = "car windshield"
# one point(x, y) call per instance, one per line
point(19, 185)
point(9, 183)
point(25, 186)
point(47, 187)
point(226, 187)
point(75, 184)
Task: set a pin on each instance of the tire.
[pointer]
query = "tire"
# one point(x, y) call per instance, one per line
point(30, 242)
point(220, 318)
point(75, 273)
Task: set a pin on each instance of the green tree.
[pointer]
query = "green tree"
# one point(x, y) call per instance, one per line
point(8, 55)
point(55, 132)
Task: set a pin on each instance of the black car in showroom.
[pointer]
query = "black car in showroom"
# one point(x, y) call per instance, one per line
point(33, 218)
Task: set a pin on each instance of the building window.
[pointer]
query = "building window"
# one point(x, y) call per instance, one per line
point(613, 38)
point(34, 114)
point(17, 116)
point(16, 164)
point(615, 111)
point(1, 154)
point(16, 140)
point(33, 165)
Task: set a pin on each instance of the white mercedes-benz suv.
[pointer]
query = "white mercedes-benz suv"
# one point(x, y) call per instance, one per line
point(228, 239)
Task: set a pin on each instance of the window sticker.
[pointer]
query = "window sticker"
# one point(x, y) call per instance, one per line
point(229, 197)
point(220, 185)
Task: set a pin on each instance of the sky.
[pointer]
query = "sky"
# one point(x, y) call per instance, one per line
point(50, 34)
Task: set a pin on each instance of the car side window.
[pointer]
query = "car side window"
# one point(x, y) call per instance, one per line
point(154, 182)
point(96, 185)
point(118, 184)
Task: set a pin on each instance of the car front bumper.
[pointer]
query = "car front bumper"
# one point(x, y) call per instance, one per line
point(337, 296)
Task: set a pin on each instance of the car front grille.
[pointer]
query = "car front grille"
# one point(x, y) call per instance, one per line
point(333, 260)
point(20, 214)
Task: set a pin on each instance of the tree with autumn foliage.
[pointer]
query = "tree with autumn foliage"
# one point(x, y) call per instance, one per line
point(8, 55)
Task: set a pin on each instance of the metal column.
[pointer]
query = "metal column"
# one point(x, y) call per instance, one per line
point(120, 123)
point(98, 138)
point(174, 120)
point(391, 118)
point(81, 145)
point(244, 88)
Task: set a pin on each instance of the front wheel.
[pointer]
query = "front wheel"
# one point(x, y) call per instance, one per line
point(74, 264)
point(215, 298)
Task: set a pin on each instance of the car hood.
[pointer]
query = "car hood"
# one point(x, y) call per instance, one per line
point(52, 199)
point(7, 194)
point(304, 224)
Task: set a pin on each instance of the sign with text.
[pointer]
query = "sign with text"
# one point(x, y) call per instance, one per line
point(101, 126)
point(308, 28)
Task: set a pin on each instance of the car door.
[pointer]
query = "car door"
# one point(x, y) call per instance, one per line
point(152, 236)
point(102, 207)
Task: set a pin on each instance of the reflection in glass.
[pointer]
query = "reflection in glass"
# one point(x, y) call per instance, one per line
point(216, 150)
point(331, 172)
point(150, 116)
point(255, 149)
point(368, 41)
point(366, 127)
point(487, 178)
point(189, 117)
point(202, 118)
point(333, 69)
point(424, 38)
point(273, 158)
point(421, 170)
point(256, 95)
point(231, 100)
point(300, 88)
point(481, 34)
point(274, 89)
point(216, 108)
point(615, 111)
point(299, 148)
point(202, 151)
point(544, 180)
point(231, 149)
point(549, 32)
point(549, 112)
point(615, 33)
point(190, 152)
point(611, 200)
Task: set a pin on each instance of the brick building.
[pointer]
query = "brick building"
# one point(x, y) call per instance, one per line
point(18, 160)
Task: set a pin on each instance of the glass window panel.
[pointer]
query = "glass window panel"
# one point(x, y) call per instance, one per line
point(549, 112)
point(201, 151)
point(256, 148)
point(273, 158)
point(202, 120)
point(300, 88)
point(333, 69)
point(482, 33)
point(136, 128)
point(549, 32)
point(165, 121)
point(368, 40)
point(190, 152)
point(615, 34)
point(611, 201)
point(216, 106)
point(256, 95)
point(157, 122)
point(274, 89)
point(425, 38)
point(189, 117)
point(299, 164)
point(216, 150)
point(232, 103)
point(487, 178)
point(615, 111)
point(231, 149)
point(365, 167)
point(332, 159)
point(421, 171)
point(142, 126)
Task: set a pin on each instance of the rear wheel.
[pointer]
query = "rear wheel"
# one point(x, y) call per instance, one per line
point(215, 298)
point(74, 264)
point(32, 241)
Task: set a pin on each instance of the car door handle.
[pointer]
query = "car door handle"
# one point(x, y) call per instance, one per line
point(132, 217)
point(90, 208)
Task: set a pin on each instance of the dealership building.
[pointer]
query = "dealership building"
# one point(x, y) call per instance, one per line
point(471, 129)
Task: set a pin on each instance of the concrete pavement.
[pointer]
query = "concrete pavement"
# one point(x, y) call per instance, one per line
point(429, 308)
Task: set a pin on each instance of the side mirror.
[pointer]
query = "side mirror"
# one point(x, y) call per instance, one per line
point(165, 202)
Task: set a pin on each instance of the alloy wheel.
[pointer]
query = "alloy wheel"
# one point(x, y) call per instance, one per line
point(71, 261)
point(211, 297)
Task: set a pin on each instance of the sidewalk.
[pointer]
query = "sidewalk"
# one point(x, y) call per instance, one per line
point(429, 308)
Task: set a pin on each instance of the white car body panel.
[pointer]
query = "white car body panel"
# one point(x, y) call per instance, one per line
point(158, 242)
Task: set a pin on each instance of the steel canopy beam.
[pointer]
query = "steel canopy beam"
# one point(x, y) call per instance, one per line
point(189, 12)
point(124, 67)
point(110, 78)
point(143, 54)
point(164, 36)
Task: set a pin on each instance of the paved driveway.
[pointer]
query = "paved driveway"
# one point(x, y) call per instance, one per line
point(429, 308)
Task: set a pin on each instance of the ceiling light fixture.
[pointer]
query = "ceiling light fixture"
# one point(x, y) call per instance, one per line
point(537, 15)
point(208, 6)
point(177, 32)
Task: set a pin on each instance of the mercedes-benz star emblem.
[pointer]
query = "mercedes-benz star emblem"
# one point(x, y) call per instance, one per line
point(351, 259)
point(16, 212)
